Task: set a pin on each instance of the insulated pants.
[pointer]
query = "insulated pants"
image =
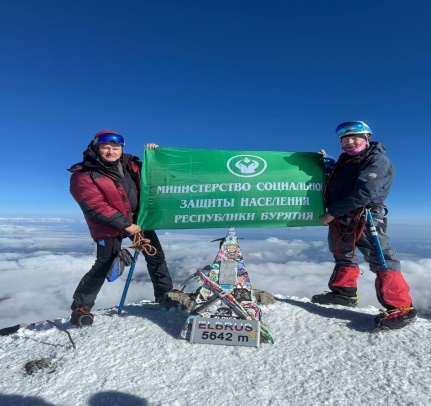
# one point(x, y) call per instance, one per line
point(91, 283)
point(391, 288)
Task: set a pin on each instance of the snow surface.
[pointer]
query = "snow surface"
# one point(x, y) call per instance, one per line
point(321, 356)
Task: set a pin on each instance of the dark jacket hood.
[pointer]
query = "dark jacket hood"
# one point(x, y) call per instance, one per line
point(93, 161)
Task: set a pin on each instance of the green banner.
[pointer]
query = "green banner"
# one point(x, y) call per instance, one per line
point(196, 188)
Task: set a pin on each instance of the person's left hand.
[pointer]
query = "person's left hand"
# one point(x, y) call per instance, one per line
point(328, 162)
point(151, 145)
point(326, 218)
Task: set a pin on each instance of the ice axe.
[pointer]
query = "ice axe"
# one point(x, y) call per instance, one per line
point(126, 286)
point(140, 244)
point(376, 239)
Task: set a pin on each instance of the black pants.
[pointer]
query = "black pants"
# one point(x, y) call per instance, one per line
point(90, 285)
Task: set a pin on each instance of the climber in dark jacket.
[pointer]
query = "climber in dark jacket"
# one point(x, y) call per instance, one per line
point(106, 186)
point(360, 180)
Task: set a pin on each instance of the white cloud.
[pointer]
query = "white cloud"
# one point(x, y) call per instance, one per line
point(40, 268)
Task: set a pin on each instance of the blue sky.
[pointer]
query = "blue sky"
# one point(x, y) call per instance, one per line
point(239, 75)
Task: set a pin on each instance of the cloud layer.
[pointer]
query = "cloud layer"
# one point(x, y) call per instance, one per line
point(41, 262)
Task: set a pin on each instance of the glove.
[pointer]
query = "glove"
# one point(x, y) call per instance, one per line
point(328, 162)
point(123, 259)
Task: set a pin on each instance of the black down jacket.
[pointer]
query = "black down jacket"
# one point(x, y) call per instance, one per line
point(360, 180)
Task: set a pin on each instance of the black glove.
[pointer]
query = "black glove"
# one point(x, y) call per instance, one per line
point(123, 258)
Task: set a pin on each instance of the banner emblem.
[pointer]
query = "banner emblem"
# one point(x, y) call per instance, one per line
point(246, 166)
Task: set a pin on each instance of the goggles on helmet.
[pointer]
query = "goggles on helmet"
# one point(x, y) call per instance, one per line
point(108, 137)
point(352, 127)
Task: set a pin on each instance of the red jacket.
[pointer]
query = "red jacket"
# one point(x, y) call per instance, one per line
point(101, 196)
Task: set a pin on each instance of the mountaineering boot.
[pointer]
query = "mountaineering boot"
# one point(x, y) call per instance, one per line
point(330, 298)
point(395, 319)
point(81, 317)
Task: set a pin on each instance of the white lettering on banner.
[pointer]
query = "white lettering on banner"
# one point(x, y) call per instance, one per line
point(207, 218)
point(206, 203)
point(206, 188)
point(275, 201)
point(281, 186)
point(229, 217)
point(238, 187)
point(287, 216)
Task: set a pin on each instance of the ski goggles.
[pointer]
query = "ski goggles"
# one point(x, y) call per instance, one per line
point(352, 128)
point(109, 137)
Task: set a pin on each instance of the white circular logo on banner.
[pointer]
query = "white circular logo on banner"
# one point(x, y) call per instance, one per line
point(246, 166)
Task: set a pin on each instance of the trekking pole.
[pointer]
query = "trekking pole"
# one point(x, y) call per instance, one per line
point(376, 239)
point(126, 286)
